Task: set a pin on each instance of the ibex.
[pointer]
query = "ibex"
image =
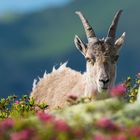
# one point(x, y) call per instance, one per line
point(101, 56)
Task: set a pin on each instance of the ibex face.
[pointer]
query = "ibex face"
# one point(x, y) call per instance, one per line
point(101, 54)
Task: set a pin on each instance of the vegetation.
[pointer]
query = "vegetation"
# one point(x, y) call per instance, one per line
point(29, 42)
point(113, 118)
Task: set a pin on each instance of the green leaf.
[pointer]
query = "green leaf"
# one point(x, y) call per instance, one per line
point(2, 101)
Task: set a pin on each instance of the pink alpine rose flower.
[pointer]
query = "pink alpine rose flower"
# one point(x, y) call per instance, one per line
point(45, 117)
point(25, 134)
point(138, 75)
point(135, 131)
point(118, 90)
point(107, 124)
point(61, 125)
point(72, 97)
point(6, 124)
point(99, 137)
point(17, 102)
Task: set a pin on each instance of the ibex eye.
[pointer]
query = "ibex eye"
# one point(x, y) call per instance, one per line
point(88, 59)
point(116, 57)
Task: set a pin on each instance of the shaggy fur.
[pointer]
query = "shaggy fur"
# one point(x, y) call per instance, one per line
point(54, 90)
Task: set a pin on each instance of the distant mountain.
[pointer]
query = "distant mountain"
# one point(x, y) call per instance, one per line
point(34, 42)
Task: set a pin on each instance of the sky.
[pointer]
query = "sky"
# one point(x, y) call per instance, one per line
point(28, 5)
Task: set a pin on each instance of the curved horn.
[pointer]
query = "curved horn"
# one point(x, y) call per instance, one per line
point(88, 29)
point(112, 29)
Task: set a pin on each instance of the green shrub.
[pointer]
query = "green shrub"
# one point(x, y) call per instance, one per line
point(113, 118)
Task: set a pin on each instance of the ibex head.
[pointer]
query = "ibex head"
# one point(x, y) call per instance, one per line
point(101, 54)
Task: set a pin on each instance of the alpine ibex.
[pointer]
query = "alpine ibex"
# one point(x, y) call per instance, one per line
point(101, 56)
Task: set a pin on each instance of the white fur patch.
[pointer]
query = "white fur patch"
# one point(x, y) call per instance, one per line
point(45, 74)
point(34, 84)
point(54, 69)
point(61, 67)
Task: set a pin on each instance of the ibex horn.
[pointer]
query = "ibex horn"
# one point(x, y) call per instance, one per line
point(88, 29)
point(112, 29)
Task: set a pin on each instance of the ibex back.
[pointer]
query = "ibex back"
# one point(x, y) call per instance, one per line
point(101, 56)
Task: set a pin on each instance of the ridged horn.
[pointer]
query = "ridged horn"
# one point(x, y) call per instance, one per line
point(112, 29)
point(88, 29)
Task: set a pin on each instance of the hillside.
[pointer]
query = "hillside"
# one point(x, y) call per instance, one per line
point(34, 42)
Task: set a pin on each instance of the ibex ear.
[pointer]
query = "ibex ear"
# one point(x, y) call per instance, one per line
point(82, 47)
point(119, 42)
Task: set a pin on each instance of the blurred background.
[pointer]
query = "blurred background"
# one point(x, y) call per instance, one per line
point(37, 35)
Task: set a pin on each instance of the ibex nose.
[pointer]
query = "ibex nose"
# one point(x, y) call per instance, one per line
point(104, 81)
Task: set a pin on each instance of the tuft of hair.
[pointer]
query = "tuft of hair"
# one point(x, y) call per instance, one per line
point(55, 87)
